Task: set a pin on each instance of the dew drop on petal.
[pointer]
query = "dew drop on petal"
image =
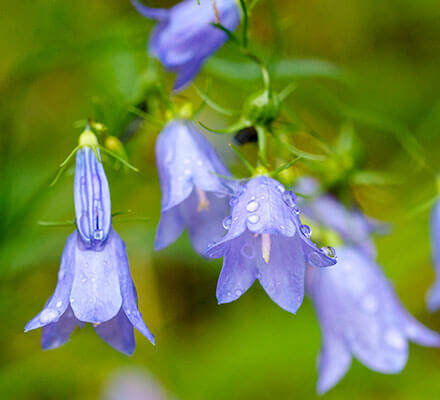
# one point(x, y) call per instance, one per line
point(247, 251)
point(59, 303)
point(288, 198)
point(252, 206)
point(395, 339)
point(329, 251)
point(306, 230)
point(281, 188)
point(227, 222)
point(98, 234)
point(253, 219)
point(47, 315)
point(233, 201)
point(296, 210)
point(238, 292)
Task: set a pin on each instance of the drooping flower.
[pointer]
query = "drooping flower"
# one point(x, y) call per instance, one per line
point(94, 280)
point(349, 223)
point(266, 241)
point(360, 315)
point(434, 292)
point(184, 37)
point(193, 193)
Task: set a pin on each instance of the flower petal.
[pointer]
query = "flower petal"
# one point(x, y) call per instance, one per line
point(171, 226)
point(92, 198)
point(58, 303)
point(334, 362)
point(128, 290)
point(149, 12)
point(96, 296)
point(118, 333)
point(58, 333)
point(239, 269)
point(283, 276)
point(205, 224)
point(434, 292)
point(184, 159)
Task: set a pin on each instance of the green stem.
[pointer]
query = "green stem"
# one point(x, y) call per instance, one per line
point(262, 144)
point(245, 23)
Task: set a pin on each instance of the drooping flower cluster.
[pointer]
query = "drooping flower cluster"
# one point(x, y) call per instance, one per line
point(184, 37)
point(94, 280)
point(358, 310)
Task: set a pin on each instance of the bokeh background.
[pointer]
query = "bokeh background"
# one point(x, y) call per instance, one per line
point(376, 62)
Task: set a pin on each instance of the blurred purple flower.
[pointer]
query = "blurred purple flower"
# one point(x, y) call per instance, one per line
point(193, 194)
point(266, 240)
point(133, 384)
point(351, 224)
point(94, 281)
point(434, 292)
point(360, 315)
point(185, 37)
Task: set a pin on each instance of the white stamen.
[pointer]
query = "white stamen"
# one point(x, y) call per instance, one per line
point(203, 200)
point(265, 247)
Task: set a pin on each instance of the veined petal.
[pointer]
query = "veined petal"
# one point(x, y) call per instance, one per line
point(58, 303)
point(283, 276)
point(118, 333)
point(96, 296)
point(239, 268)
point(92, 198)
point(128, 290)
point(58, 333)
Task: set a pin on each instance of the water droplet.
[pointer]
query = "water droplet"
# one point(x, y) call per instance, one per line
point(227, 222)
point(98, 234)
point(128, 312)
point(394, 339)
point(315, 259)
point(253, 219)
point(306, 230)
point(59, 303)
point(233, 201)
point(229, 294)
point(282, 227)
point(296, 210)
point(289, 199)
point(370, 304)
point(47, 315)
point(247, 251)
point(72, 300)
point(252, 206)
point(329, 251)
point(84, 280)
point(281, 188)
point(238, 292)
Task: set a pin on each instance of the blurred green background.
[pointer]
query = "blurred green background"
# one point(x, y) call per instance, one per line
point(63, 61)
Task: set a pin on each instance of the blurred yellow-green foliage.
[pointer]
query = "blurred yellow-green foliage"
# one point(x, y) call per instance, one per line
point(60, 59)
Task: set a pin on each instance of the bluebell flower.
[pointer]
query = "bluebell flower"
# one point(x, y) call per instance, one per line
point(193, 193)
point(434, 292)
point(266, 241)
point(184, 37)
point(94, 280)
point(360, 315)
